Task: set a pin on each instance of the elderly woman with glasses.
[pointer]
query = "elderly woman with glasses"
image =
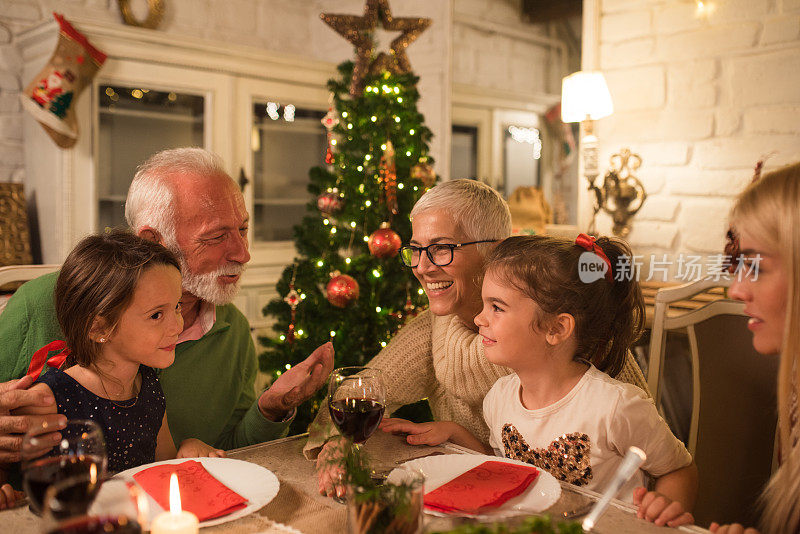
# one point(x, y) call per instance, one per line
point(439, 355)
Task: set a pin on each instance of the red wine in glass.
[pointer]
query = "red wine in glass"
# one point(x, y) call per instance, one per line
point(356, 400)
point(43, 473)
point(356, 418)
point(97, 525)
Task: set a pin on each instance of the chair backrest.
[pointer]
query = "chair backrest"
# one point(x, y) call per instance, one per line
point(12, 275)
point(23, 273)
point(734, 410)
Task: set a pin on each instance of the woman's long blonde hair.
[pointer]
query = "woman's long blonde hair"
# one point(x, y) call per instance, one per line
point(769, 210)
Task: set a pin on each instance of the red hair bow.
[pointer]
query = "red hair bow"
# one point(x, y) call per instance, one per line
point(588, 243)
point(40, 357)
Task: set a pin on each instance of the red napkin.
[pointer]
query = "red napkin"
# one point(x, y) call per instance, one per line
point(487, 485)
point(202, 494)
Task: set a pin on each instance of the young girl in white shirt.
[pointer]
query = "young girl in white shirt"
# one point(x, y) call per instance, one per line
point(561, 315)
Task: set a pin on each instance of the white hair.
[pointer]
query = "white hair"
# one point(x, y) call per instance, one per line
point(479, 211)
point(151, 203)
point(150, 196)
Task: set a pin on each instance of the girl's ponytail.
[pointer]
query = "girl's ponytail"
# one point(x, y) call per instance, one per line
point(625, 305)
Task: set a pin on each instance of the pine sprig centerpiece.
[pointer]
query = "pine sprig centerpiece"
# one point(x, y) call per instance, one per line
point(373, 506)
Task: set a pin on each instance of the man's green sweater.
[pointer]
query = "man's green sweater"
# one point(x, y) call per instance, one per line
point(209, 389)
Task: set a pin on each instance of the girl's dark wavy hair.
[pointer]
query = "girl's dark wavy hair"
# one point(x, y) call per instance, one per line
point(97, 280)
point(609, 316)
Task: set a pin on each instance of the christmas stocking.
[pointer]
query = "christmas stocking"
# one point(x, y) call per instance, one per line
point(51, 96)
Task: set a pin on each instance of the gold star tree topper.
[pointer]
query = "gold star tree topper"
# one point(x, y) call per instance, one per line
point(358, 30)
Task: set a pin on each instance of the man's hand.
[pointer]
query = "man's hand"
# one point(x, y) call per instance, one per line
point(15, 395)
point(297, 384)
point(329, 468)
point(9, 497)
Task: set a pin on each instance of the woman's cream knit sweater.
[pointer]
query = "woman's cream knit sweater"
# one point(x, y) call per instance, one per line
point(439, 358)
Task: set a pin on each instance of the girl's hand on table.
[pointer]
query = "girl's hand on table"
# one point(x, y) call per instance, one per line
point(9, 497)
point(660, 509)
point(194, 448)
point(434, 433)
point(736, 528)
point(329, 469)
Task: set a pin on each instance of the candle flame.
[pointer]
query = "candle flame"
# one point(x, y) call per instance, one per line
point(93, 474)
point(174, 495)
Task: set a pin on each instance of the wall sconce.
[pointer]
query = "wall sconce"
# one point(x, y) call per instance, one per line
point(622, 194)
point(585, 98)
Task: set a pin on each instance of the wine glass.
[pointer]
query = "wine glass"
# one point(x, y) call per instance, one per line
point(117, 507)
point(80, 451)
point(356, 400)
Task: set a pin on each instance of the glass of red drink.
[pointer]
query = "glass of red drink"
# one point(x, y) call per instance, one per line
point(356, 400)
point(81, 451)
point(114, 507)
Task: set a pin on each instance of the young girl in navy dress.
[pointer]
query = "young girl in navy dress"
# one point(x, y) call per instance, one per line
point(563, 331)
point(118, 305)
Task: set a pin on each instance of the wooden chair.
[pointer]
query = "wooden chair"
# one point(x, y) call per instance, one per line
point(734, 411)
point(12, 275)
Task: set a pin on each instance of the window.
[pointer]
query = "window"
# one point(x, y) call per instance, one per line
point(522, 152)
point(135, 123)
point(286, 142)
point(464, 152)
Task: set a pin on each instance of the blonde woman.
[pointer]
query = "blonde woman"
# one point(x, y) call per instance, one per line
point(766, 219)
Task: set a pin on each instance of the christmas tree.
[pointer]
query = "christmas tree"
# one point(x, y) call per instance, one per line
point(348, 285)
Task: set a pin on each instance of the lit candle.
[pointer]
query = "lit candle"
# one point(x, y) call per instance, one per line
point(176, 521)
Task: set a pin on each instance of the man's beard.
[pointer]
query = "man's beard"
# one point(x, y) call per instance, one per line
point(207, 286)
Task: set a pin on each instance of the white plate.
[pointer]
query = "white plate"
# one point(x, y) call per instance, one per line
point(255, 483)
point(438, 470)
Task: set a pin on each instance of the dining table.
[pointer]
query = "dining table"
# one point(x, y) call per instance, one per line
point(298, 506)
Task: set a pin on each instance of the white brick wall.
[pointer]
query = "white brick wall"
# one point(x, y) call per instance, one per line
point(701, 100)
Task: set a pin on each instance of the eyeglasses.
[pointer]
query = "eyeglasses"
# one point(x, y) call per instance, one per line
point(440, 254)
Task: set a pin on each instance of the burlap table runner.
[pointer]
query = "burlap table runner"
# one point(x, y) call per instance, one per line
point(299, 505)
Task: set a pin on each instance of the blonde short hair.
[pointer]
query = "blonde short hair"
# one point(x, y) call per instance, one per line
point(479, 211)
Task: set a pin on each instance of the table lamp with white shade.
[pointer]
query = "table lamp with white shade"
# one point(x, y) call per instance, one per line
point(585, 98)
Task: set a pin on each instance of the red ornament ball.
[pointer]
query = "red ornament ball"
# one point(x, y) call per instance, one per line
point(384, 243)
point(330, 202)
point(342, 290)
point(424, 173)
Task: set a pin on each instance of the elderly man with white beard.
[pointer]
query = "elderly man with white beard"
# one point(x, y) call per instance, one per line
point(183, 199)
